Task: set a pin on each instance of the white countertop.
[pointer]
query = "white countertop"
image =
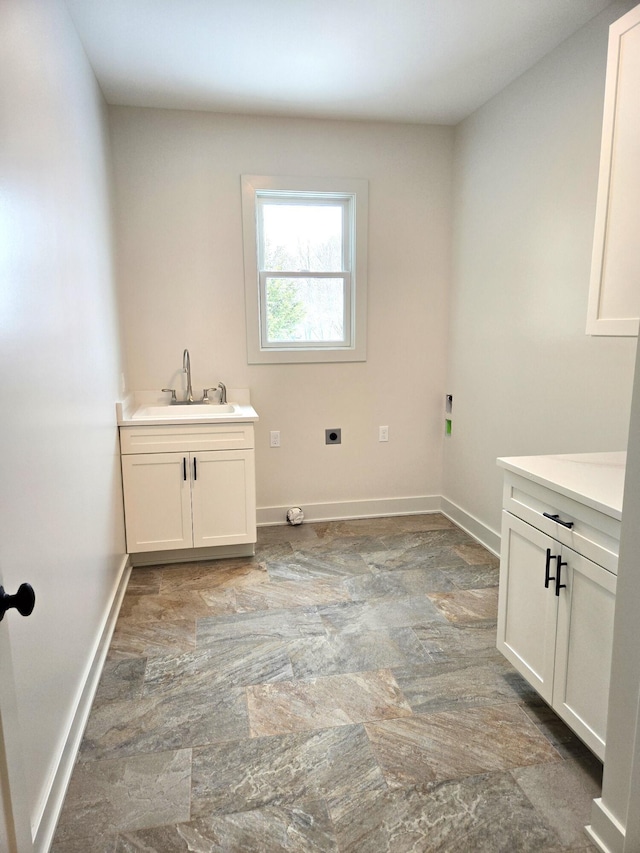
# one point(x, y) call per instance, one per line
point(137, 410)
point(594, 479)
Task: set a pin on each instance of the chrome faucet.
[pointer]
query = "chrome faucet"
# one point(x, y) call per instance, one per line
point(188, 399)
point(186, 366)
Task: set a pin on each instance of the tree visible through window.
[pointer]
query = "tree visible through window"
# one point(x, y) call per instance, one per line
point(286, 310)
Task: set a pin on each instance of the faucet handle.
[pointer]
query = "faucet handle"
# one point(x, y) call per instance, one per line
point(171, 391)
point(219, 387)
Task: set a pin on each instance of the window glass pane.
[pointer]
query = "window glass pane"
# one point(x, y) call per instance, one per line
point(301, 237)
point(304, 310)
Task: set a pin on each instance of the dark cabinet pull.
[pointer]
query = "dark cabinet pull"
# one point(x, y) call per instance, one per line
point(184, 468)
point(559, 585)
point(195, 468)
point(547, 576)
point(557, 519)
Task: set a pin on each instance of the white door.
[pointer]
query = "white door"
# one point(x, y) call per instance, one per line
point(223, 497)
point(586, 607)
point(527, 606)
point(15, 832)
point(157, 501)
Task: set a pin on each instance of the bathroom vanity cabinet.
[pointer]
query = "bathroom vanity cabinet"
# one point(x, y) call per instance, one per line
point(188, 487)
point(558, 572)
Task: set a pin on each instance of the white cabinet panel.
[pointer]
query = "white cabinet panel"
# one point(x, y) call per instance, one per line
point(164, 439)
point(223, 498)
point(614, 296)
point(157, 501)
point(527, 615)
point(583, 648)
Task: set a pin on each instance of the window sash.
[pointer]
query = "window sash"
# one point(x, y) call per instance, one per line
point(339, 343)
point(309, 199)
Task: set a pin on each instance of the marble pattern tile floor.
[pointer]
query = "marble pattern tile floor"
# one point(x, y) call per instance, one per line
point(340, 692)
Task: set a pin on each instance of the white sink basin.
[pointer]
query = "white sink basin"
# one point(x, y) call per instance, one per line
point(172, 413)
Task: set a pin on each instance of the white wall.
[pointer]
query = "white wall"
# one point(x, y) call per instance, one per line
point(60, 526)
point(181, 277)
point(525, 377)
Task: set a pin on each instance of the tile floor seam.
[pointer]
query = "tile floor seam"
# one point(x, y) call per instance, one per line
point(526, 717)
point(533, 805)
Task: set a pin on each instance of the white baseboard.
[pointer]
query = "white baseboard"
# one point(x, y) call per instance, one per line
point(46, 825)
point(471, 525)
point(605, 830)
point(344, 510)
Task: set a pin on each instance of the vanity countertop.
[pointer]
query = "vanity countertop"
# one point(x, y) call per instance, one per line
point(148, 409)
point(594, 479)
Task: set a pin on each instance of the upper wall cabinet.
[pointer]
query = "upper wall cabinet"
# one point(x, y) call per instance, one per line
point(614, 296)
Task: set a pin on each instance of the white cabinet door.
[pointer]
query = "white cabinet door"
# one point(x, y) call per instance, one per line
point(527, 610)
point(224, 502)
point(157, 491)
point(583, 648)
point(614, 295)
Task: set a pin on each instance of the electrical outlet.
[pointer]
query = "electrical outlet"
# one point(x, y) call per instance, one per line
point(333, 436)
point(383, 434)
point(275, 438)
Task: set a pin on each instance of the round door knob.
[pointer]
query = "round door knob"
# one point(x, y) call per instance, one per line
point(24, 600)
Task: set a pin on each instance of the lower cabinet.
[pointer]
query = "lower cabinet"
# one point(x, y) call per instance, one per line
point(191, 498)
point(555, 625)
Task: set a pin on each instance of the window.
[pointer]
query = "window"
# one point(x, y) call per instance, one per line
point(305, 255)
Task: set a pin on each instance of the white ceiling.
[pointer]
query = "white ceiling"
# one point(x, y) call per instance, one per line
point(427, 61)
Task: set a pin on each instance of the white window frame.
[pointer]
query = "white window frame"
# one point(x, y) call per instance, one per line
point(353, 194)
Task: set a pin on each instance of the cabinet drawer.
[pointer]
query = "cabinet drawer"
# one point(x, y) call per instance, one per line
point(594, 534)
point(169, 439)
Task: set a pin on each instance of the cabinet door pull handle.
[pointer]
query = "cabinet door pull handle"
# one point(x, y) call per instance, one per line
point(547, 576)
point(195, 468)
point(184, 468)
point(557, 519)
point(559, 585)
